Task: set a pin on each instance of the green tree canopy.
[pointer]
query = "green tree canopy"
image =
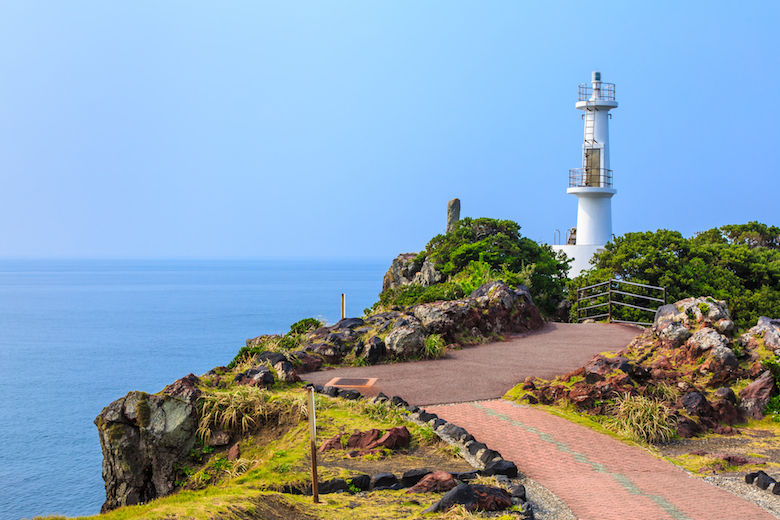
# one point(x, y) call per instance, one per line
point(499, 244)
point(736, 263)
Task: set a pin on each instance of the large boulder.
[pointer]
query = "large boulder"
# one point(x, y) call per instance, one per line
point(144, 438)
point(473, 498)
point(768, 329)
point(673, 322)
point(401, 271)
point(493, 308)
point(755, 396)
point(405, 341)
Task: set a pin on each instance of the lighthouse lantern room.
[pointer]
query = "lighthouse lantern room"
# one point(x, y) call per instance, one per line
point(592, 183)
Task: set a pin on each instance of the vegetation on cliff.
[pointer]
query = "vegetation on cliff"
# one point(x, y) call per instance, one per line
point(268, 464)
point(481, 250)
point(737, 263)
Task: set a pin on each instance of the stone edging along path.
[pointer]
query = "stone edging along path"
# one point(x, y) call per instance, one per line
point(488, 462)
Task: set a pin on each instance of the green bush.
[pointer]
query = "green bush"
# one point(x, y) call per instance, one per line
point(435, 347)
point(305, 325)
point(737, 263)
point(481, 250)
point(290, 341)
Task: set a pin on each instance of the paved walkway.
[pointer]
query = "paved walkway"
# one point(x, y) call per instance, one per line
point(598, 477)
point(489, 371)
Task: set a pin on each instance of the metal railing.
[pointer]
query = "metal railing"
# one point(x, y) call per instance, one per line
point(606, 92)
point(590, 178)
point(610, 294)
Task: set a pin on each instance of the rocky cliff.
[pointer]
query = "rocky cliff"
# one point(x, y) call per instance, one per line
point(147, 439)
point(143, 438)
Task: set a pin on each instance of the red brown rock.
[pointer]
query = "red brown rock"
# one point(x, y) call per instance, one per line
point(184, 388)
point(363, 440)
point(397, 437)
point(309, 363)
point(436, 482)
point(334, 443)
point(755, 396)
point(234, 452)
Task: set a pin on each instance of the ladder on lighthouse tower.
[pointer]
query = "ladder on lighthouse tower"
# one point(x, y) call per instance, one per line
point(590, 124)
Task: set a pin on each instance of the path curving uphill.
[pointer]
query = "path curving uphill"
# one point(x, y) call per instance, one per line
point(598, 477)
point(488, 371)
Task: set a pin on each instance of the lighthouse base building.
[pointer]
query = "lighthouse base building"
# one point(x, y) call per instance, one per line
point(592, 183)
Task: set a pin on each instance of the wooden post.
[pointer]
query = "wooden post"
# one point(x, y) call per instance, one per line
point(343, 306)
point(313, 442)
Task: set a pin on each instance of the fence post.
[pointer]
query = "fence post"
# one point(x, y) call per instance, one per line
point(664, 295)
point(609, 311)
point(578, 304)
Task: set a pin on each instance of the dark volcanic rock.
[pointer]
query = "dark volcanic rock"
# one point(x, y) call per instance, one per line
point(696, 404)
point(144, 438)
point(473, 498)
point(413, 476)
point(763, 480)
point(383, 480)
point(501, 467)
point(361, 482)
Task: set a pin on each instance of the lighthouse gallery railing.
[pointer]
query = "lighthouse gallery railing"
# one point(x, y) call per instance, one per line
point(607, 92)
point(590, 178)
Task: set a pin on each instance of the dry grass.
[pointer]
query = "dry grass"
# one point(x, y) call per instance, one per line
point(244, 409)
point(641, 419)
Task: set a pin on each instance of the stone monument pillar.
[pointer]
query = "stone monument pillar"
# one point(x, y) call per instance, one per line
point(453, 214)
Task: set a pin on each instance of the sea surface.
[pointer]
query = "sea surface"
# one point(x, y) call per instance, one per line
point(75, 335)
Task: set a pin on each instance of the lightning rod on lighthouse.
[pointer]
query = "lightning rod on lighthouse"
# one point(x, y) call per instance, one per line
point(592, 183)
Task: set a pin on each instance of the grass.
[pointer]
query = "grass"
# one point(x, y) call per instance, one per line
point(435, 347)
point(248, 487)
point(641, 419)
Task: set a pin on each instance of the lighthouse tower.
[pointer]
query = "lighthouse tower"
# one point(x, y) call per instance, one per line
point(592, 183)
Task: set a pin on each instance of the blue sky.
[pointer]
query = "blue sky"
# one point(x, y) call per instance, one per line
point(341, 129)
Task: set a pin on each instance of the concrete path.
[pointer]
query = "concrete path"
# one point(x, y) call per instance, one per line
point(598, 477)
point(488, 371)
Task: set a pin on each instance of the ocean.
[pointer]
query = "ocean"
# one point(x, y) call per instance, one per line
point(77, 334)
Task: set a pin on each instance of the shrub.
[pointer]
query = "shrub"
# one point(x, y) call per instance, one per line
point(305, 325)
point(435, 347)
point(739, 264)
point(483, 250)
point(242, 408)
point(641, 419)
point(499, 244)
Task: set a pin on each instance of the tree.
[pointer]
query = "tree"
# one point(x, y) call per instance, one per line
point(736, 263)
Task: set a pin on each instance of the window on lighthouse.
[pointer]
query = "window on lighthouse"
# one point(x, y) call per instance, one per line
point(593, 168)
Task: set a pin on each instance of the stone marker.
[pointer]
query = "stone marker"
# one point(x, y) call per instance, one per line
point(453, 214)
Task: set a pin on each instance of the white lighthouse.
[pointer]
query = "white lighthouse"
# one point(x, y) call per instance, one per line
point(592, 183)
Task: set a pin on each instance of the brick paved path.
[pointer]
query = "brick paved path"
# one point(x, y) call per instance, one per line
point(598, 477)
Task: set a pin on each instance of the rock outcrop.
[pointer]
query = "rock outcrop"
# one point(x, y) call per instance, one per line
point(143, 438)
point(406, 269)
point(689, 359)
point(492, 309)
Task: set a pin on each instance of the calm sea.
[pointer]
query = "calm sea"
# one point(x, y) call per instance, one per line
point(76, 335)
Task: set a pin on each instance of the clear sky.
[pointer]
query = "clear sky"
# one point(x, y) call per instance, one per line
point(341, 129)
